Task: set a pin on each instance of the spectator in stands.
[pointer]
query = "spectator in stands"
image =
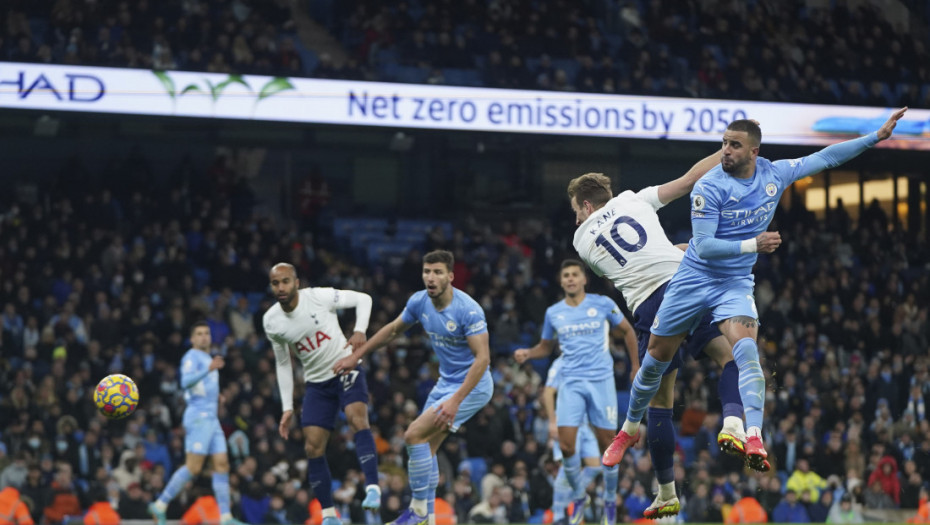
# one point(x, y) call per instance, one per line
point(13, 510)
point(133, 504)
point(64, 497)
point(844, 511)
point(790, 510)
point(886, 476)
point(100, 511)
point(818, 511)
point(923, 512)
point(14, 475)
point(803, 478)
point(876, 497)
point(747, 510)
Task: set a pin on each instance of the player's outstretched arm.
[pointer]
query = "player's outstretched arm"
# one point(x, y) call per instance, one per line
point(839, 153)
point(682, 185)
point(542, 349)
point(382, 337)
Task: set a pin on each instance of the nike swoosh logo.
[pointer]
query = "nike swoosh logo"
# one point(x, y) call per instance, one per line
point(734, 199)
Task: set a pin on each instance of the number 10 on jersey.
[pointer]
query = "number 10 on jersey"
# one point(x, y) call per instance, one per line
point(620, 242)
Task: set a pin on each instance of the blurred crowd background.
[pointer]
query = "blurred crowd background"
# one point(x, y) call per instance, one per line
point(103, 271)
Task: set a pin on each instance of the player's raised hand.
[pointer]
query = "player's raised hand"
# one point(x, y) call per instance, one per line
point(768, 242)
point(884, 132)
point(217, 363)
point(345, 365)
point(285, 426)
point(356, 341)
point(520, 355)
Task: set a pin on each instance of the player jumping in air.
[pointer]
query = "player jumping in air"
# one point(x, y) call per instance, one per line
point(731, 207)
point(621, 238)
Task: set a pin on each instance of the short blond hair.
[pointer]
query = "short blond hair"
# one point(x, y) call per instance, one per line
point(591, 187)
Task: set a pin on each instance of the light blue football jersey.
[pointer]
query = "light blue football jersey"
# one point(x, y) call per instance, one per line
point(732, 209)
point(201, 388)
point(448, 330)
point(583, 333)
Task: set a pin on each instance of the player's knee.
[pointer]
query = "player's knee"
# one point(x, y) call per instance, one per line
point(568, 449)
point(660, 349)
point(194, 468)
point(221, 465)
point(414, 436)
point(358, 422)
point(314, 450)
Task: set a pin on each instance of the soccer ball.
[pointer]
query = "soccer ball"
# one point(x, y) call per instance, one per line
point(116, 396)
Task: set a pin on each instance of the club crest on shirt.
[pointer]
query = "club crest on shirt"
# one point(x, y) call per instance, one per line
point(771, 189)
point(450, 325)
point(697, 202)
point(592, 312)
point(655, 323)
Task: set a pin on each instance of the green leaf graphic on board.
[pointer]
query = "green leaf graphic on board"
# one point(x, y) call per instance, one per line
point(273, 87)
point(191, 88)
point(217, 90)
point(166, 82)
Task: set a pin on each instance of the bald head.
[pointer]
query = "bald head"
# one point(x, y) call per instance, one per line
point(284, 285)
point(283, 268)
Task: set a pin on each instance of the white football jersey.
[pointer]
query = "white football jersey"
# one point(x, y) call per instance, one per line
point(312, 331)
point(625, 242)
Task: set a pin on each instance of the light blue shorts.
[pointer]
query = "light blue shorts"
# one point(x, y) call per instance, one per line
point(203, 434)
point(691, 294)
point(473, 402)
point(597, 399)
point(585, 443)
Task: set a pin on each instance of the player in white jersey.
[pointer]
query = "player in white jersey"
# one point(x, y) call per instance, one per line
point(305, 322)
point(621, 238)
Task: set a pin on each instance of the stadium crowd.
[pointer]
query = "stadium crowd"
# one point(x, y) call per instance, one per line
point(99, 279)
point(767, 50)
point(774, 51)
point(211, 35)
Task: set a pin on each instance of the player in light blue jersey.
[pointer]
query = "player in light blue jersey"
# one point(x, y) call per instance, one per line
point(583, 323)
point(585, 445)
point(731, 208)
point(458, 333)
point(200, 379)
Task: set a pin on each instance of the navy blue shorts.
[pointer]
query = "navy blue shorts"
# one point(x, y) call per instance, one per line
point(323, 400)
point(694, 344)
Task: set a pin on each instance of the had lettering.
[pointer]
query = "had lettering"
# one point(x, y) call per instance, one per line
point(308, 345)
